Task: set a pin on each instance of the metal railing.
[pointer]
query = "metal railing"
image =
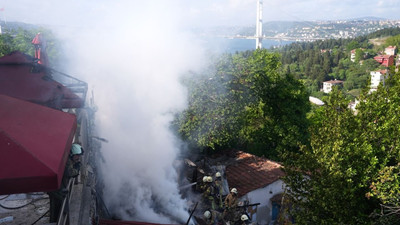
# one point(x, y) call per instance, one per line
point(63, 219)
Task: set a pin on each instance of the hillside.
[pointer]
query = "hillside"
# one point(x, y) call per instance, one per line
point(316, 29)
point(319, 61)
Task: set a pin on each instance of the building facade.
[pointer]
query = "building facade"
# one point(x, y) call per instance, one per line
point(258, 181)
point(377, 77)
point(328, 85)
point(385, 60)
point(391, 50)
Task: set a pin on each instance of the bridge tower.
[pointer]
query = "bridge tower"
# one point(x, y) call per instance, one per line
point(259, 35)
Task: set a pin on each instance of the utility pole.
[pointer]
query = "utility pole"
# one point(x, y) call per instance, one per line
point(259, 36)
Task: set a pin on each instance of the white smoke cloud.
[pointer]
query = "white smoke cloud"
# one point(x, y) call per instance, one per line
point(132, 53)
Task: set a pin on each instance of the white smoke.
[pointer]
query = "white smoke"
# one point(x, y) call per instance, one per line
point(132, 54)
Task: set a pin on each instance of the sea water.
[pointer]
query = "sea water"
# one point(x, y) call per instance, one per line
point(226, 45)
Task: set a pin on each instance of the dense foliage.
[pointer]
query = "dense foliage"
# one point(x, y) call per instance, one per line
point(20, 39)
point(243, 102)
point(351, 168)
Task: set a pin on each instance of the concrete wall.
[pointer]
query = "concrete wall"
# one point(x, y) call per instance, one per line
point(263, 196)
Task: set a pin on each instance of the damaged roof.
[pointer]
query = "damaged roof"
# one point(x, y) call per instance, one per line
point(250, 172)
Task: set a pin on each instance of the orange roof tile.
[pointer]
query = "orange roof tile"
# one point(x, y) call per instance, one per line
point(251, 172)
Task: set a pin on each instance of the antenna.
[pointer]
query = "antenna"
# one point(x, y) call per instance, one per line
point(259, 36)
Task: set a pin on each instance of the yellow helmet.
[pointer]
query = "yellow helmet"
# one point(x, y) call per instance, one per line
point(218, 174)
point(209, 179)
point(205, 179)
point(244, 217)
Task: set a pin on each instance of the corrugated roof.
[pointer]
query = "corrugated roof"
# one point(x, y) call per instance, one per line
point(251, 172)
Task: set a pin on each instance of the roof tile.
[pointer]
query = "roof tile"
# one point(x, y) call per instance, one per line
point(250, 172)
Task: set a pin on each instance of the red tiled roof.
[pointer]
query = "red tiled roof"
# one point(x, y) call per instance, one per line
point(251, 172)
point(382, 57)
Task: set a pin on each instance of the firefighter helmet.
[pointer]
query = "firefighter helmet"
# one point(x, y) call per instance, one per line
point(218, 174)
point(234, 190)
point(207, 214)
point(76, 149)
point(204, 179)
point(209, 179)
point(244, 217)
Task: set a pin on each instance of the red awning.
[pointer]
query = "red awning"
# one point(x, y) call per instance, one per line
point(34, 145)
point(18, 81)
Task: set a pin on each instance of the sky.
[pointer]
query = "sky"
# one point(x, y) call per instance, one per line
point(213, 12)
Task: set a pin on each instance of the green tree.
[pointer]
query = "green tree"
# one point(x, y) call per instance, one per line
point(351, 167)
point(245, 103)
point(5, 44)
point(359, 55)
point(393, 41)
point(352, 45)
point(21, 40)
point(379, 118)
point(325, 184)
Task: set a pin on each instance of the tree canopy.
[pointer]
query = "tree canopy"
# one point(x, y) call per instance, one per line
point(244, 102)
point(20, 39)
point(351, 167)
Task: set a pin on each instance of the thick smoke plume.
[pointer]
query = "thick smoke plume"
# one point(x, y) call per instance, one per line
point(132, 54)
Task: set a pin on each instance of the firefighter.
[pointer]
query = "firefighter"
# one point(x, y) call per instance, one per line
point(231, 202)
point(219, 189)
point(203, 186)
point(72, 169)
point(209, 193)
point(73, 166)
point(211, 217)
point(244, 220)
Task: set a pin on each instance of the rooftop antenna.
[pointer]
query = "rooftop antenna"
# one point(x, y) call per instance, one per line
point(259, 36)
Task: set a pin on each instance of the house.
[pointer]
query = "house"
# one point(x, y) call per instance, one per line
point(353, 106)
point(377, 77)
point(385, 60)
point(258, 180)
point(390, 50)
point(353, 55)
point(327, 85)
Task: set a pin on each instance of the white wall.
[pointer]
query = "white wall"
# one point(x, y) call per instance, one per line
point(327, 87)
point(376, 78)
point(263, 196)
